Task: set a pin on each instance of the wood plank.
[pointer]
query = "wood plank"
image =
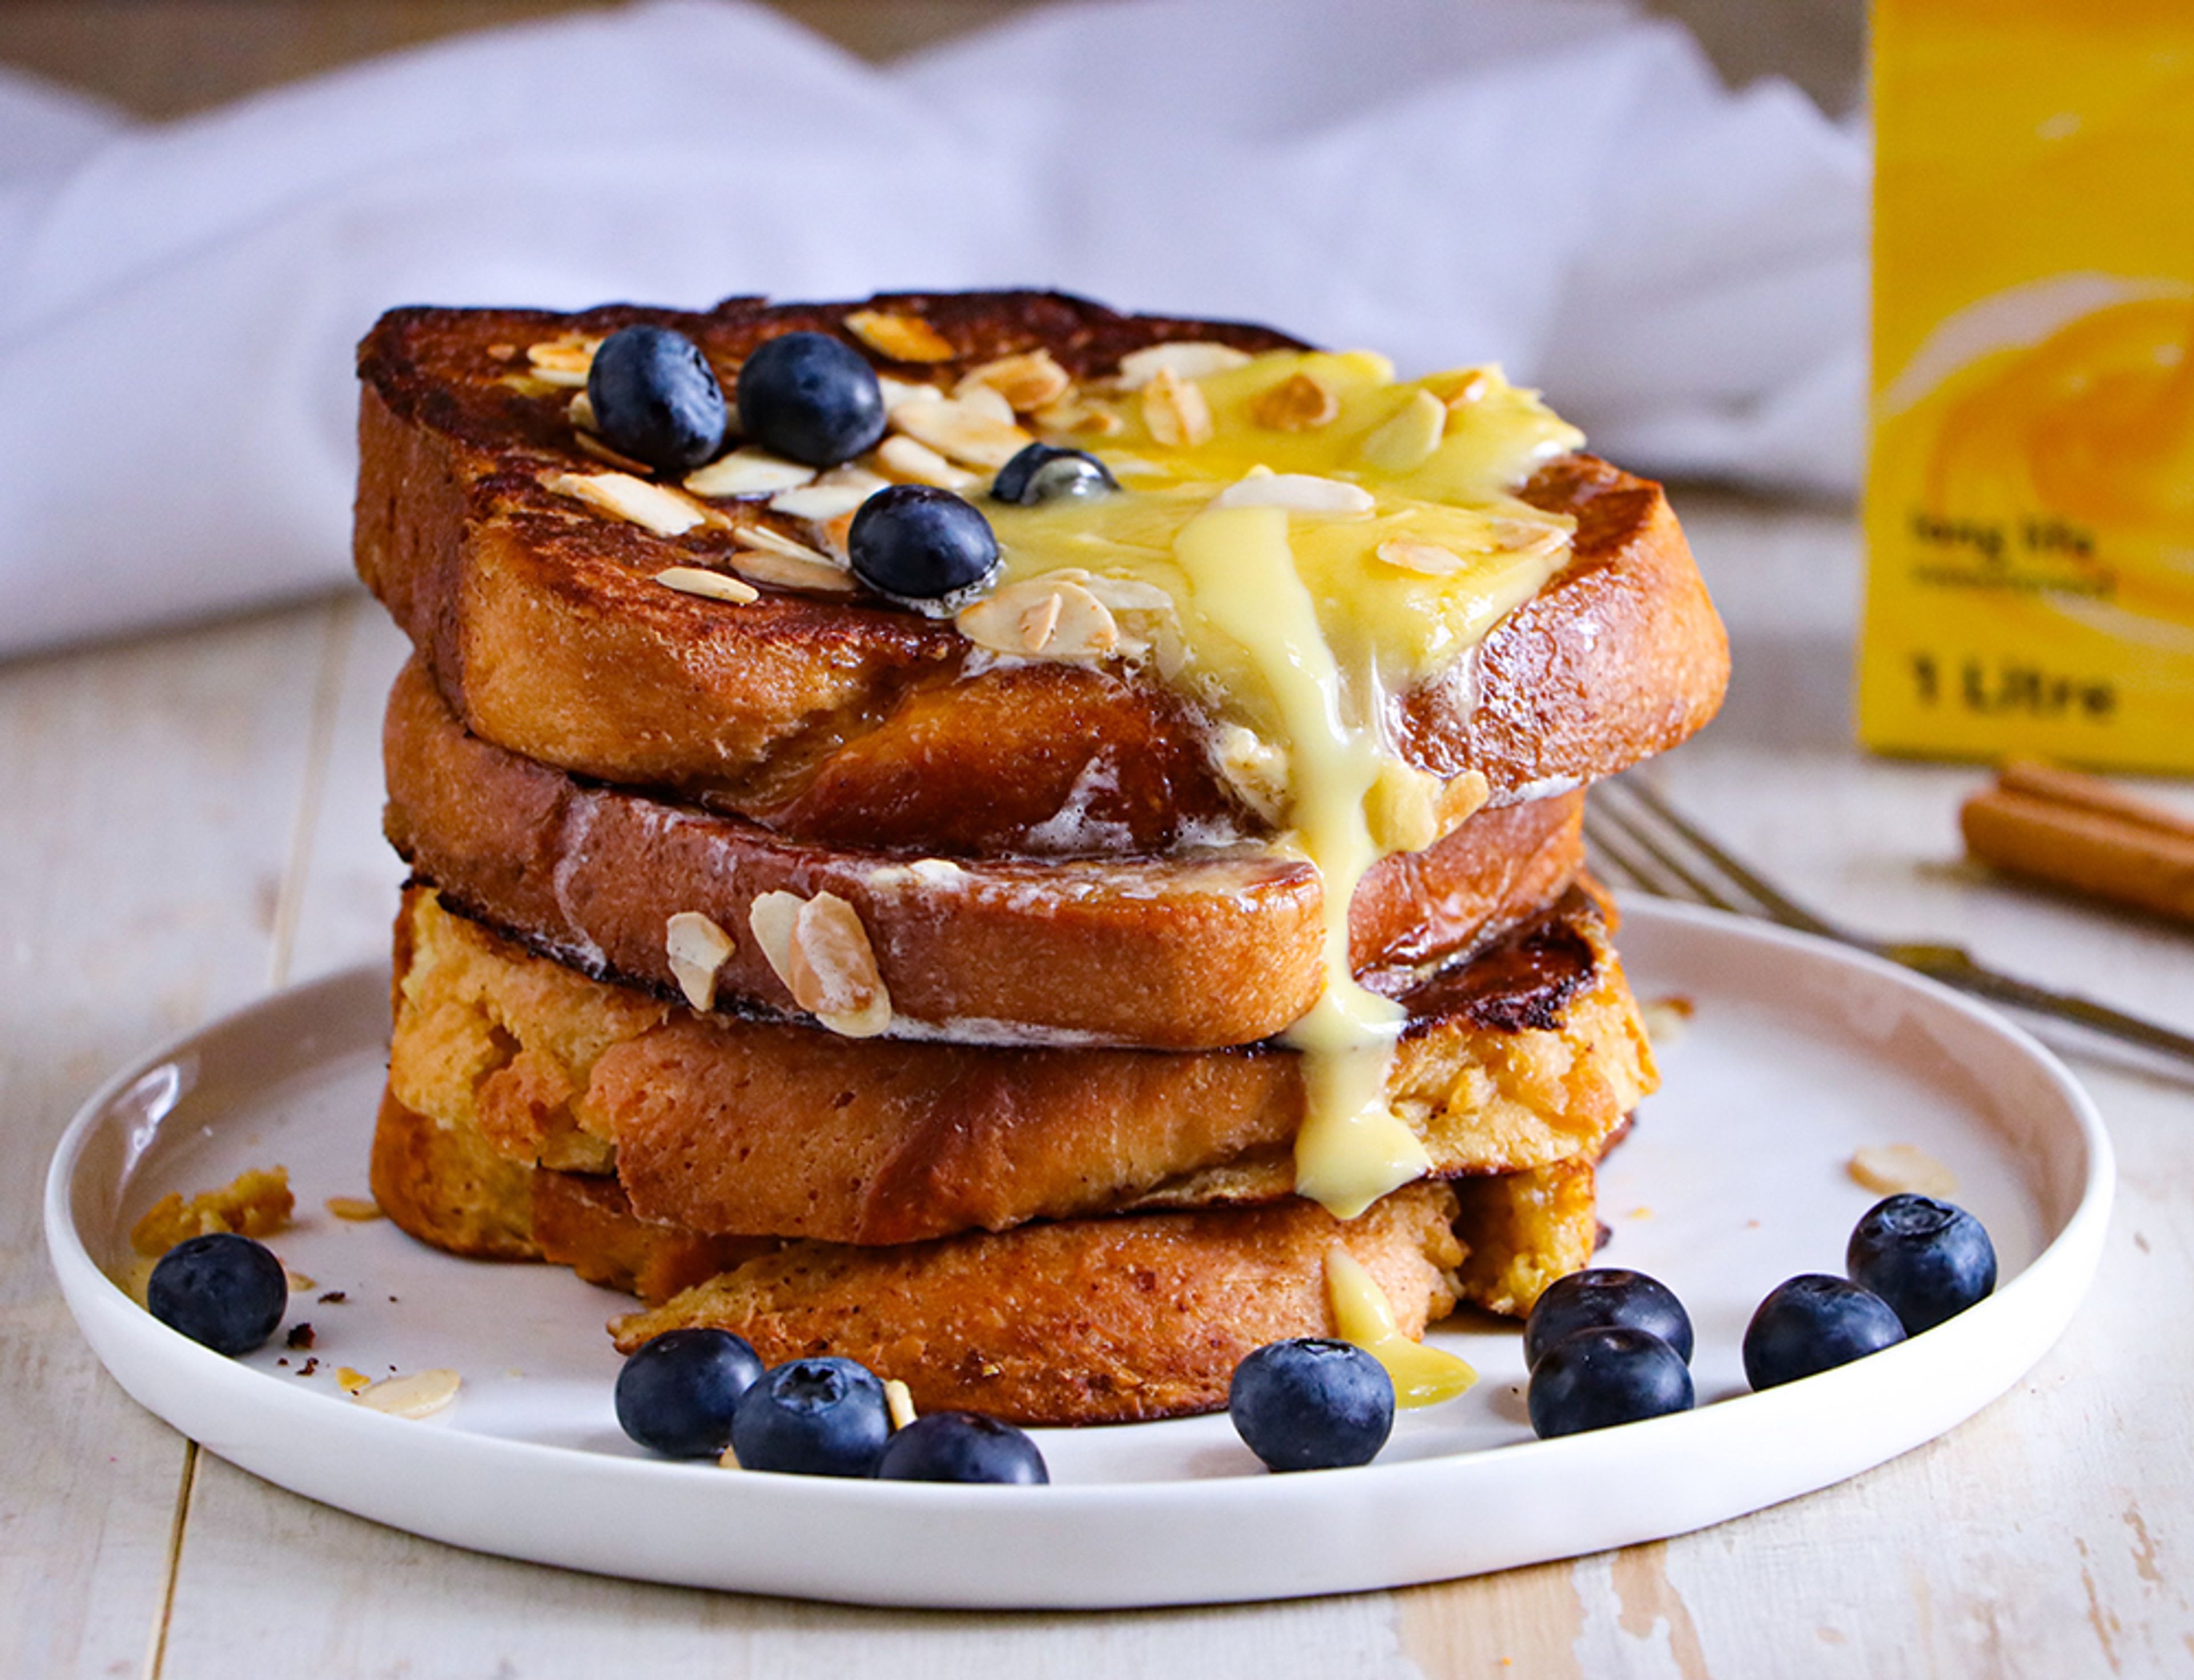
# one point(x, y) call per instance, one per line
point(149, 790)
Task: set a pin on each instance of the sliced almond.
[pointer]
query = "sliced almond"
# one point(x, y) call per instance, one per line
point(965, 434)
point(1402, 809)
point(897, 390)
point(1408, 437)
point(1186, 360)
point(1464, 387)
point(1528, 537)
point(777, 543)
point(1255, 768)
point(1026, 381)
point(356, 1209)
point(1299, 493)
point(710, 586)
point(821, 952)
point(1891, 1168)
point(1041, 618)
point(987, 402)
point(1084, 419)
point(901, 338)
point(916, 463)
point(580, 411)
point(748, 472)
point(665, 511)
point(591, 444)
point(1428, 560)
point(419, 1395)
point(1298, 403)
point(899, 1402)
point(563, 361)
point(783, 571)
point(1175, 410)
point(696, 949)
point(819, 503)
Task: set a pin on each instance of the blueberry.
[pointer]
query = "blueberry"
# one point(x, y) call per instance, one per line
point(920, 542)
point(1041, 473)
point(675, 1394)
point(811, 399)
point(1604, 1375)
point(1929, 1260)
point(655, 398)
point(1312, 1404)
point(960, 1447)
point(812, 1417)
point(1600, 1299)
point(1815, 1323)
point(223, 1290)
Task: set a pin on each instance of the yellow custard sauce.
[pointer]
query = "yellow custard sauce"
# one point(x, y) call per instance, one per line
point(2030, 492)
point(1292, 581)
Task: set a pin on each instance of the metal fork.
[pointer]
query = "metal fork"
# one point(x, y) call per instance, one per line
point(1638, 836)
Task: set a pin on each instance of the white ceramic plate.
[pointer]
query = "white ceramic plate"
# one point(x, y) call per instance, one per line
point(1799, 1052)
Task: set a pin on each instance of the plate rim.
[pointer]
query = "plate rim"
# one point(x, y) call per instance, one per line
point(2007, 1335)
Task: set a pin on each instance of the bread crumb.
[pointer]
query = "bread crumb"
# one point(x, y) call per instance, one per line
point(256, 1203)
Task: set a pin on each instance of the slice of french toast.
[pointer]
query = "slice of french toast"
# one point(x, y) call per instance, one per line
point(827, 712)
point(1083, 1320)
point(1532, 1053)
point(1187, 952)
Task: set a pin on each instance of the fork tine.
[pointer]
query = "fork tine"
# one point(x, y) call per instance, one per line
point(1784, 908)
point(1636, 834)
point(1605, 849)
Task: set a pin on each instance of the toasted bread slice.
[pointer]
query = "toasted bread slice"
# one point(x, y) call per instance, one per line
point(840, 719)
point(1086, 1321)
point(1532, 1053)
point(1190, 952)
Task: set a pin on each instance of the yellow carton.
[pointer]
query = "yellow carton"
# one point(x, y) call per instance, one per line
point(2030, 506)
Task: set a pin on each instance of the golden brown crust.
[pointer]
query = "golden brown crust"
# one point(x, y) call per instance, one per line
point(1186, 953)
point(847, 724)
point(448, 1186)
point(721, 1125)
point(1086, 1321)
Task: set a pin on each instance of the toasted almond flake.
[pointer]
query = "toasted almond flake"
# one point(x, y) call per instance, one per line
point(299, 1283)
point(964, 433)
point(563, 379)
point(837, 536)
point(591, 444)
point(1891, 1168)
point(899, 1400)
point(580, 411)
point(1407, 439)
point(571, 352)
point(1255, 768)
point(1048, 617)
point(419, 1395)
point(1026, 381)
point(526, 384)
point(357, 1209)
point(665, 511)
point(1528, 537)
point(771, 541)
point(1298, 403)
point(352, 1382)
point(782, 571)
point(1402, 809)
point(710, 586)
point(985, 401)
point(1464, 387)
point(1428, 559)
point(1297, 492)
point(748, 472)
point(1175, 410)
point(897, 390)
point(915, 463)
point(1088, 420)
point(502, 352)
point(819, 503)
point(728, 1459)
point(821, 952)
point(1126, 594)
point(1187, 360)
point(902, 338)
point(696, 949)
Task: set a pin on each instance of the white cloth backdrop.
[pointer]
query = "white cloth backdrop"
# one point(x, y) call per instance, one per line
point(1559, 184)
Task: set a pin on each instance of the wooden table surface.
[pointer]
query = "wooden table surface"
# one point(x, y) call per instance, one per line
point(192, 820)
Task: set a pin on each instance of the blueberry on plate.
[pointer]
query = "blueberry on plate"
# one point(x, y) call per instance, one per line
point(1813, 1323)
point(960, 1447)
point(655, 398)
point(223, 1290)
point(920, 542)
point(1311, 1404)
point(1601, 1298)
point(1927, 1258)
point(1604, 1375)
point(811, 398)
point(678, 1393)
point(1041, 472)
point(812, 1417)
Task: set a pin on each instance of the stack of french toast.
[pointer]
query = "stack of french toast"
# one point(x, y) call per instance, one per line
point(1048, 989)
